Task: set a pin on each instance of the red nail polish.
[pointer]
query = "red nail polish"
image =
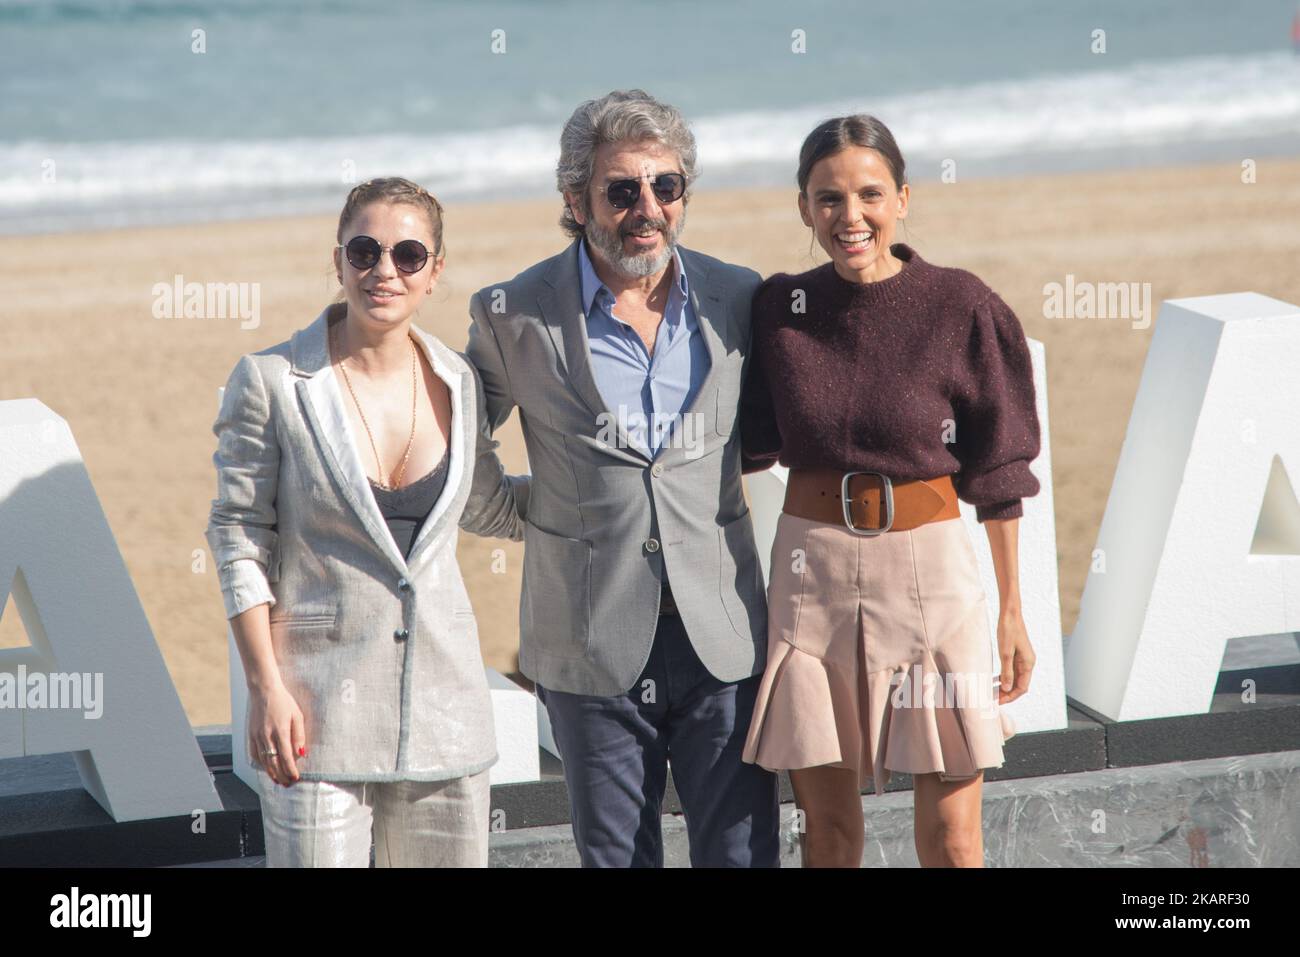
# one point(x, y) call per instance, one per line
point(302, 752)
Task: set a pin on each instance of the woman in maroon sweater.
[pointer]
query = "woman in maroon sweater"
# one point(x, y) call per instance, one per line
point(890, 387)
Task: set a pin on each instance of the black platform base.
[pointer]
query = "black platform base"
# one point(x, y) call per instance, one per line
point(47, 819)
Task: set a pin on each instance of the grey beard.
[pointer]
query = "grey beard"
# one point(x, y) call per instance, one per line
point(636, 265)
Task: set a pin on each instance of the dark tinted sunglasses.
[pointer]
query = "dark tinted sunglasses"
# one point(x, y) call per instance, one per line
point(363, 252)
point(667, 187)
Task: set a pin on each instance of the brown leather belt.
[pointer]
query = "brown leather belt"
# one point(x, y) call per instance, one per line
point(869, 502)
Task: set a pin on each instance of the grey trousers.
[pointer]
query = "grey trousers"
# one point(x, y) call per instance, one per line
point(415, 823)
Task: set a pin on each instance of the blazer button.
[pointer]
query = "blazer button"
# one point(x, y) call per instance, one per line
point(652, 545)
point(403, 584)
point(401, 634)
point(657, 469)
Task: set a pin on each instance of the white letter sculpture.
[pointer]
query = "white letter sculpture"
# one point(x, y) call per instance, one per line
point(1201, 536)
point(138, 758)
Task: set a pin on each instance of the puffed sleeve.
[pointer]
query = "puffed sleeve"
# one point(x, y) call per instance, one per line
point(241, 530)
point(497, 501)
point(997, 432)
point(760, 438)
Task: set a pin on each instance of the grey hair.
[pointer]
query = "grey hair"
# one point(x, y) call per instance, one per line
point(616, 117)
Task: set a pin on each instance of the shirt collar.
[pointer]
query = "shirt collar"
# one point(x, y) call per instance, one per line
point(591, 284)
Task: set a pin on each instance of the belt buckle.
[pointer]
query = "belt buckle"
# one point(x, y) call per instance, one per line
point(887, 487)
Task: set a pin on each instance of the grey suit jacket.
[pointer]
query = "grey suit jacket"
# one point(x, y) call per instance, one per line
point(380, 652)
point(604, 523)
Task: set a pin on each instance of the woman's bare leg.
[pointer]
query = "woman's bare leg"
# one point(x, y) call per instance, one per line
point(947, 821)
point(833, 830)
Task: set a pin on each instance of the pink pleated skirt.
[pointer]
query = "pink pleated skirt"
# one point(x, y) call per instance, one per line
point(880, 657)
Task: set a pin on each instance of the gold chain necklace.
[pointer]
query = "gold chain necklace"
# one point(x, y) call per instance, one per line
point(409, 442)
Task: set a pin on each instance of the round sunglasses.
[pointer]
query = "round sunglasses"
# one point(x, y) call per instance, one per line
point(667, 187)
point(363, 252)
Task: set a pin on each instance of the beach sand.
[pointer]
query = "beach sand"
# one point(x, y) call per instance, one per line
point(77, 332)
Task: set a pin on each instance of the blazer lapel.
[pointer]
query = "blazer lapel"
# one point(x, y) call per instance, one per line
point(560, 305)
point(713, 315)
point(463, 430)
point(322, 402)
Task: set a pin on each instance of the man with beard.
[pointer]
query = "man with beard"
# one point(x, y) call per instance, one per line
point(643, 619)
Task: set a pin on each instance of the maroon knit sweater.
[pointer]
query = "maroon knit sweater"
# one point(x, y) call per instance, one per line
point(923, 374)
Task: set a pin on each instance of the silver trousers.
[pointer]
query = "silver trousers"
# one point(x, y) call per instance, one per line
point(415, 823)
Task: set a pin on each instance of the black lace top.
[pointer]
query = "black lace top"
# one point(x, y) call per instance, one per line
point(406, 508)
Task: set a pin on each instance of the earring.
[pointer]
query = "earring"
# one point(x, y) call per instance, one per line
point(429, 291)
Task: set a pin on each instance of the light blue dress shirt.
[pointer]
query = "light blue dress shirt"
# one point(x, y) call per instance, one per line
point(647, 393)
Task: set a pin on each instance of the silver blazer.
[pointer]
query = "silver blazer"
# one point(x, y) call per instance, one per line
point(605, 523)
point(381, 653)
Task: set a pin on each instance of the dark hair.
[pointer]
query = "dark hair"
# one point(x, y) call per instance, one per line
point(393, 189)
point(837, 134)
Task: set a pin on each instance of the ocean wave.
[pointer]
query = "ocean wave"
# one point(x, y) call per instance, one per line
point(1192, 100)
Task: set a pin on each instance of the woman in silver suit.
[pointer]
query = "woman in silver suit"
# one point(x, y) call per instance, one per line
point(348, 457)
